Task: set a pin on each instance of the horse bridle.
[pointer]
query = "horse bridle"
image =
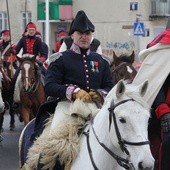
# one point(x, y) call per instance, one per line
point(125, 163)
point(118, 66)
point(35, 84)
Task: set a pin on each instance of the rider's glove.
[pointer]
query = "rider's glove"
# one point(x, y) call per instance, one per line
point(96, 96)
point(82, 95)
point(165, 122)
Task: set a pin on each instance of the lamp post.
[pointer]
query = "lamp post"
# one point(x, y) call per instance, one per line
point(47, 22)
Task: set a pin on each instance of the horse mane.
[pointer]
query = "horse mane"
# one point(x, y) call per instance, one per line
point(125, 58)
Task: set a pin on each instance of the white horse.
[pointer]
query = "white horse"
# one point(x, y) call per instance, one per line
point(117, 138)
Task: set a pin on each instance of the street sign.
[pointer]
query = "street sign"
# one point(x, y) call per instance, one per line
point(133, 6)
point(139, 29)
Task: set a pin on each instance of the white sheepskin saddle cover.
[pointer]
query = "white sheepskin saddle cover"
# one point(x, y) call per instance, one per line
point(62, 143)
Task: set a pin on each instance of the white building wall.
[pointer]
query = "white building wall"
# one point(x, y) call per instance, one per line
point(110, 18)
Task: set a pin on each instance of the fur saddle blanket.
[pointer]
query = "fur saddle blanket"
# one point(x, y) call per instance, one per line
point(63, 142)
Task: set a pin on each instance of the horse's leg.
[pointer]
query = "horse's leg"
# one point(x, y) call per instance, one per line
point(25, 113)
point(11, 111)
point(1, 124)
point(12, 115)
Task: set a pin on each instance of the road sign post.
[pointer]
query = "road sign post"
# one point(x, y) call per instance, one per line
point(139, 29)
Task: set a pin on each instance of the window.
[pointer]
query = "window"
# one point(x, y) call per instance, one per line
point(3, 21)
point(26, 18)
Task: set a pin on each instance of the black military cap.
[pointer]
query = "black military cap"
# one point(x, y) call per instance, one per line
point(81, 23)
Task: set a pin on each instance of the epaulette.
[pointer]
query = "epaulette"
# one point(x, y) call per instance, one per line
point(107, 58)
point(54, 57)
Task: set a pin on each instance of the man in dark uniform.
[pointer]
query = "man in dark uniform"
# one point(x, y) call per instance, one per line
point(76, 73)
point(31, 44)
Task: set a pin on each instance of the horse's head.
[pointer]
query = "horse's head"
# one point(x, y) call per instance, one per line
point(122, 68)
point(129, 115)
point(29, 73)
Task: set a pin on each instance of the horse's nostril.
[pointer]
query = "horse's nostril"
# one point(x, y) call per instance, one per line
point(140, 166)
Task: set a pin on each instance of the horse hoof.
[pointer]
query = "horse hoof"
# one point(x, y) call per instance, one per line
point(12, 127)
point(1, 138)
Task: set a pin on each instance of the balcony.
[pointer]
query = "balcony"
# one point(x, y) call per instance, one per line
point(160, 9)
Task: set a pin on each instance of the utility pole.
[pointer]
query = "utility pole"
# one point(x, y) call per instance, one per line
point(47, 22)
point(137, 37)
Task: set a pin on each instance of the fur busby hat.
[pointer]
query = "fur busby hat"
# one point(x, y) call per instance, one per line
point(5, 32)
point(81, 23)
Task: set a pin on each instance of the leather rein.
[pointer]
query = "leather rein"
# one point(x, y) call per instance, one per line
point(125, 163)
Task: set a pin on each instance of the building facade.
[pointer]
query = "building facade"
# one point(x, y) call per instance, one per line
point(116, 21)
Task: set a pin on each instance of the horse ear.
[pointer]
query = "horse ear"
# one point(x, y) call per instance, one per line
point(34, 57)
point(114, 56)
point(132, 56)
point(143, 88)
point(20, 59)
point(120, 89)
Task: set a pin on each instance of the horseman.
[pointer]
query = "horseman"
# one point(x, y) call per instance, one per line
point(7, 48)
point(77, 73)
point(156, 68)
point(31, 45)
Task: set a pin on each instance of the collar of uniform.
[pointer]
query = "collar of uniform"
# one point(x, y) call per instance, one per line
point(77, 50)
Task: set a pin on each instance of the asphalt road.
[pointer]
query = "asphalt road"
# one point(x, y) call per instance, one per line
point(9, 146)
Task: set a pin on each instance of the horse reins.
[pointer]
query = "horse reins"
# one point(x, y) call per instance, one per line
point(35, 84)
point(125, 163)
point(117, 67)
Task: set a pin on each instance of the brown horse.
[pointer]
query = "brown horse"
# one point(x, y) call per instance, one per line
point(122, 68)
point(7, 97)
point(32, 93)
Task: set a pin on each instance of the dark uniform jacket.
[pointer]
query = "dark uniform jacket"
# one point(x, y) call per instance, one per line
point(31, 45)
point(86, 71)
